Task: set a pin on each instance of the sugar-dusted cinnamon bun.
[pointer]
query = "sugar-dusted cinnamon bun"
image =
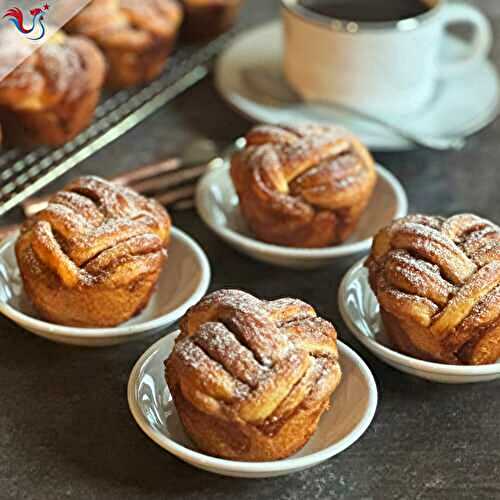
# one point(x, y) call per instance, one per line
point(303, 186)
point(205, 19)
point(93, 256)
point(136, 36)
point(250, 378)
point(438, 283)
point(52, 95)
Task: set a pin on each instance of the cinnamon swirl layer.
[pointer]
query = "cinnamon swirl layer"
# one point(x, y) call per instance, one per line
point(438, 283)
point(303, 186)
point(52, 95)
point(135, 37)
point(250, 378)
point(93, 256)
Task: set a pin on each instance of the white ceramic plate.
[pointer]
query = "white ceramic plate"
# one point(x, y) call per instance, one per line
point(217, 204)
point(182, 283)
point(360, 310)
point(353, 406)
point(461, 106)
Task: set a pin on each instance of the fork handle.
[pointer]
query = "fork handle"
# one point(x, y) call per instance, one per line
point(426, 141)
point(33, 205)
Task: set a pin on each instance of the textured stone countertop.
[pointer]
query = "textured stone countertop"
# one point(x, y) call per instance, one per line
point(65, 428)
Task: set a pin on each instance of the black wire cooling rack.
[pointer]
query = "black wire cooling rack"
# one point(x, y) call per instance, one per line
point(22, 173)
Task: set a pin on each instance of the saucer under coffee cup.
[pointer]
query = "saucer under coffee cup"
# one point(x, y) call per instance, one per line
point(384, 58)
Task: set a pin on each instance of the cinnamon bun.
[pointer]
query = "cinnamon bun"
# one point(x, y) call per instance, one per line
point(93, 256)
point(438, 284)
point(250, 378)
point(51, 96)
point(303, 186)
point(205, 19)
point(136, 37)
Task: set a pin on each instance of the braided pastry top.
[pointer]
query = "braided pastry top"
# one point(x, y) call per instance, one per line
point(128, 24)
point(443, 275)
point(244, 359)
point(303, 185)
point(62, 70)
point(96, 232)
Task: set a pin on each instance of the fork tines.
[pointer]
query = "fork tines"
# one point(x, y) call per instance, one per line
point(170, 181)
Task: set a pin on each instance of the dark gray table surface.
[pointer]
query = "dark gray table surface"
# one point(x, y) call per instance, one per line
point(65, 428)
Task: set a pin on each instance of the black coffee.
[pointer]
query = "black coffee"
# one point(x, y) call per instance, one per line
point(367, 10)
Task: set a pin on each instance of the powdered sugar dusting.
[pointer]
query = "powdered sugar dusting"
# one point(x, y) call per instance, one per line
point(215, 341)
point(422, 251)
point(294, 174)
point(52, 74)
point(84, 234)
point(62, 67)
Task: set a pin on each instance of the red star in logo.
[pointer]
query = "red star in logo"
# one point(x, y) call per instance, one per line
point(46, 6)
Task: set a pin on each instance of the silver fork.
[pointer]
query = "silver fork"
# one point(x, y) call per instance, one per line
point(172, 182)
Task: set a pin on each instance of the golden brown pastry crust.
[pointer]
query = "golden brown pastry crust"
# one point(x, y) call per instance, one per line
point(251, 378)
point(52, 95)
point(93, 256)
point(136, 36)
point(205, 19)
point(438, 284)
point(303, 186)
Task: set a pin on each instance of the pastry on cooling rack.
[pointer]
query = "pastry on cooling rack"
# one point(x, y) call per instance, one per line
point(250, 378)
point(205, 19)
point(52, 95)
point(438, 284)
point(93, 256)
point(136, 36)
point(303, 186)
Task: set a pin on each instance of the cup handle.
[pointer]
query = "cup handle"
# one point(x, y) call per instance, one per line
point(480, 45)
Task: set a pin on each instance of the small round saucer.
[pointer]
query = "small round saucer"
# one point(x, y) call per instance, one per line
point(353, 406)
point(360, 311)
point(461, 106)
point(217, 204)
point(182, 283)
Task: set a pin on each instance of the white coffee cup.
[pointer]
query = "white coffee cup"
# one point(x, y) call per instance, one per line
point(390, 67)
